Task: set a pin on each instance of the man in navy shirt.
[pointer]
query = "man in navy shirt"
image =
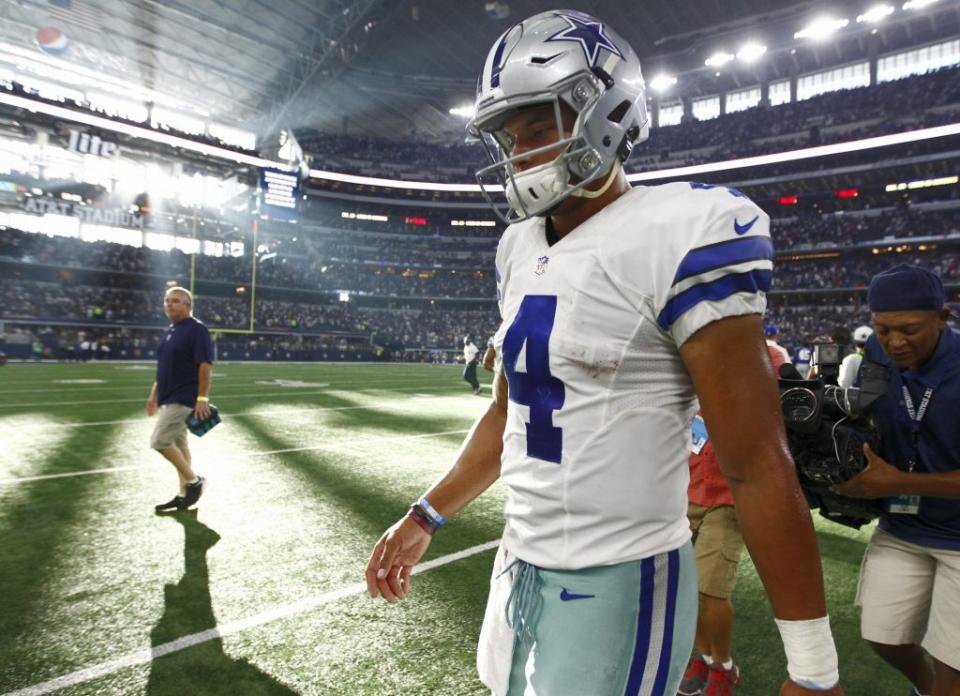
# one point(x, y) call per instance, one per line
point(910, 579)
point(184, 368)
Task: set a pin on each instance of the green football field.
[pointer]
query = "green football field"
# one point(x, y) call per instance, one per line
point(260, 590)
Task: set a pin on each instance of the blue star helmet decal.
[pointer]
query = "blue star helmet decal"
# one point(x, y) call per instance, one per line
point(589, 34)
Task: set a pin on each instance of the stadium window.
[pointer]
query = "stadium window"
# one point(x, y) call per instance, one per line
point(188, 245)
point(780, 92)
point(844, 77)
point(50, 91)
point(918, 60)
point(670, 114)
point(706, 108)
point(212, 248)
point(235, 249)
point(160, 242)
point(116, 235)
point(160, 118)
point(6, 79)
point(60, 226)
point(743, 99)
point(51, 225)
point(234, 136)
point(111, 106)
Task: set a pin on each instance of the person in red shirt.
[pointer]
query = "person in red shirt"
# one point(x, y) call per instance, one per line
point(717, 546)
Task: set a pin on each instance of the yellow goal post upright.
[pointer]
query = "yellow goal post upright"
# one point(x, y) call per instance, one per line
point(215, 333)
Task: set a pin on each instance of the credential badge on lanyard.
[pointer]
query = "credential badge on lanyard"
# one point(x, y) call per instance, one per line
point(910, 504)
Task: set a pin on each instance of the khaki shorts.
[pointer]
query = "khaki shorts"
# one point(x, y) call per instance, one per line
point(171, 427)
point(717, 547)
point(910, 594)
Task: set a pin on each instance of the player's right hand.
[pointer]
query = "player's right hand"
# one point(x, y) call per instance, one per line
point(151, 407)
point(393, 558)
point(791, 688)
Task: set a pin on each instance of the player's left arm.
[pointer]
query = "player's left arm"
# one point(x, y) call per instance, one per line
point(733, 377)
point(204, 377)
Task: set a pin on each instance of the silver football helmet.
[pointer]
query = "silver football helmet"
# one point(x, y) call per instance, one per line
point(559, 57)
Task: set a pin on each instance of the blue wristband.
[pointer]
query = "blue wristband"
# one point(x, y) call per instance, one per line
point(438, 519)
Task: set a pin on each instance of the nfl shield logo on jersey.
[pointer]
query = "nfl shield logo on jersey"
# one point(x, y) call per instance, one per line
point(542, 265)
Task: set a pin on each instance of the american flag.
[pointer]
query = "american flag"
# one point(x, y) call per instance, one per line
point(76, 13)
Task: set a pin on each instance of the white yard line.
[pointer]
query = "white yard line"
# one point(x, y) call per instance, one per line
point(241, 414)
point(293, 391)
point(145, 386)
point(284, 611)
point(262, 453)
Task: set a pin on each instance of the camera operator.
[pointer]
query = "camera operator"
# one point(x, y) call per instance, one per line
point(910, 578)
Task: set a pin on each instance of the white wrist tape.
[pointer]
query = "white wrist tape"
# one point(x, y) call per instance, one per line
point(811, 653)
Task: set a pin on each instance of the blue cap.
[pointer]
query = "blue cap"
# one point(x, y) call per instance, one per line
point(904, 288)
point(770, 330)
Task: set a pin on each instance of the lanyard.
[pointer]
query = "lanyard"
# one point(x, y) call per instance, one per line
point(916, 415)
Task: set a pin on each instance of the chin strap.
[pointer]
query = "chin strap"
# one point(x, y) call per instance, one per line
point(587, 193)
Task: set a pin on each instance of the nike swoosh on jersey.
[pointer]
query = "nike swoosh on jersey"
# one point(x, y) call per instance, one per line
point(745, 227)
point(569, 596)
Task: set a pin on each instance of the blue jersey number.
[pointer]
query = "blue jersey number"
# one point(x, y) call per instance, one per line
point(536, 387)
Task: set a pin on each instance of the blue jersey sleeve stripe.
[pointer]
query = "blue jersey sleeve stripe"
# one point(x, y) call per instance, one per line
point(757, 280)
point(726, 253)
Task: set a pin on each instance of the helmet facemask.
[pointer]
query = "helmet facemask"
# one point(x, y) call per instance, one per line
point(539, 189)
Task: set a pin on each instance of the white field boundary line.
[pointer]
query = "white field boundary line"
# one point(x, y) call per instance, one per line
point(290, 410)
point(348, 446)
point(406, 379)
point(284, 611)
point(126, 365)
point(291, 391)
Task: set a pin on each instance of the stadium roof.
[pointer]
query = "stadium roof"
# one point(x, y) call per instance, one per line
point(393, 68)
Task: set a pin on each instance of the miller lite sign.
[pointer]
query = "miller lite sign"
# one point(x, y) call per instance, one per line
point(87, 144)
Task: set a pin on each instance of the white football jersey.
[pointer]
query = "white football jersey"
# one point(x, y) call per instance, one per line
point(596, 441)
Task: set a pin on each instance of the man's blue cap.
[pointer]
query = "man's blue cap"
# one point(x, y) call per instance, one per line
point(905, 288)
point(770, 330)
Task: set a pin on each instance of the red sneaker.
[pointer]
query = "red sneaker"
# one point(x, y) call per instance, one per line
point(695, 678)
point(721, 681)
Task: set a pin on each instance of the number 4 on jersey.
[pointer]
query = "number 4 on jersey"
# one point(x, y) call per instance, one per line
point(536, 388)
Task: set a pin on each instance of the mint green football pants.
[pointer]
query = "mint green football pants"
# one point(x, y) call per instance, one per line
point(625, 629)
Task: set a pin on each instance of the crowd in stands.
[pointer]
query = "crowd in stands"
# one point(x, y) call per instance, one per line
point(856, 271)
point(889, 107)
point(847, 230)
point(381, 263)
point(917, 101)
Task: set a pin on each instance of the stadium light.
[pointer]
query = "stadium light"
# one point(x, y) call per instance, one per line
point(821, 28)
point(718, 59)
point(875, 14)
point(751, 51)
point(463, 111)
point(662, 82)
point(918, 4)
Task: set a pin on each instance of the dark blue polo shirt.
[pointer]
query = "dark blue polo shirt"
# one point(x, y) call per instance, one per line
point(937, 525)
point(185, 345)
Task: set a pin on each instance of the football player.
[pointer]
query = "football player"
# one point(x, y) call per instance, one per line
point(620, 307)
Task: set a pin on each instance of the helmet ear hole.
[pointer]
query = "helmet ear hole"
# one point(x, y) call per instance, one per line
point(618, 112)
point(626, 145)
